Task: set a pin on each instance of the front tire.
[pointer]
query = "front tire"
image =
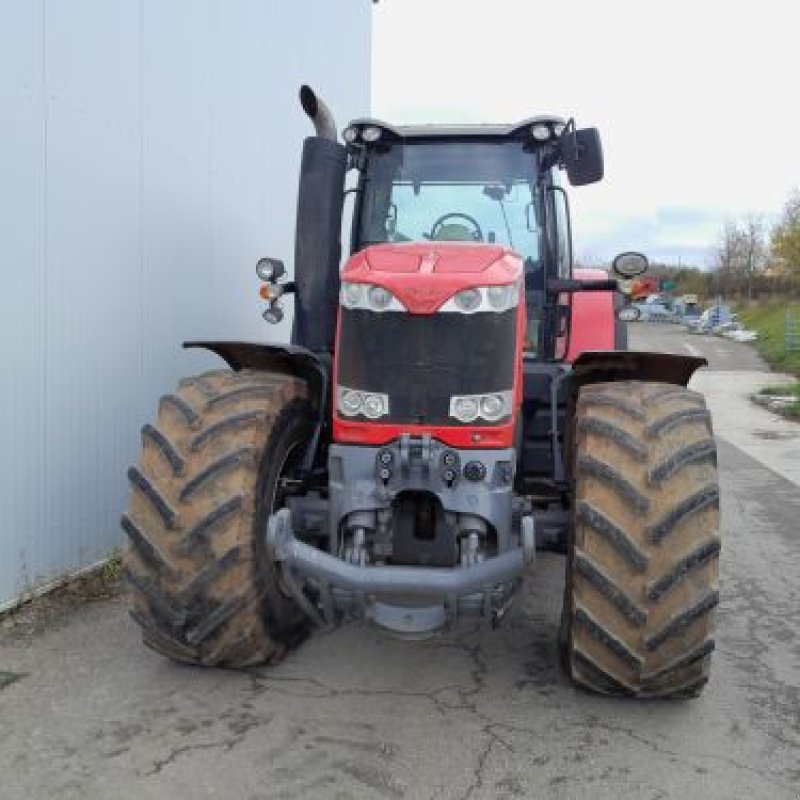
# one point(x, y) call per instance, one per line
point(201, 587)
point(643, 563)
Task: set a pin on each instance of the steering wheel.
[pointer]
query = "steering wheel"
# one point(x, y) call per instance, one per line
point(476, 234)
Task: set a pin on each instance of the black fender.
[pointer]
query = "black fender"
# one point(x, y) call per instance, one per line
point(617, 365)
point(284, 359)
point(633, 365)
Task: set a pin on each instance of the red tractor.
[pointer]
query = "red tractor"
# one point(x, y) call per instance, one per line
point(454, 398)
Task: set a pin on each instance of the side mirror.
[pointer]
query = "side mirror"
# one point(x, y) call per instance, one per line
point(630, 264)
point(582, 154)
point(270, 269)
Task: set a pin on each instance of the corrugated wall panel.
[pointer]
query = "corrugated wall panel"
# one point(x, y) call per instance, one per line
point(150, 158)
point(23, 290)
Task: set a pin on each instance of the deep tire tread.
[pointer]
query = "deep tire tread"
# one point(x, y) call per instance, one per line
point(200, 587)
point(593, 467)
point(608, 400)
point(206, 526)
point(670, 421)
point(165, 447)
point(685, 509)
point(610, 530)
point(189, 415)
point(141, 482)
point(629, 609)
point(147, 550)
point(227, 425)
point(682, 569)
point(642, 577)
point(694, 453)
point(614, 433)
point(216, 469)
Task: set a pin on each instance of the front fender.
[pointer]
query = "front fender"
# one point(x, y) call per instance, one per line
point(285, 359)
point(633, 365)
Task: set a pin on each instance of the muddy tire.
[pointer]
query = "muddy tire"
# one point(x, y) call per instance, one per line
point(643, 560)
point(200, 586)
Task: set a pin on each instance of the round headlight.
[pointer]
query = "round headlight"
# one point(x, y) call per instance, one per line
point(500, 296)
point(540, 132)
point(270, 269)
point(350, 403)
point(379, 298)
point(468, 300)
point(350, 135)
point(351, 294)
point(492, 406)
point(374, 406)
point(371, 134)
point(466, 409)
point(558, 128)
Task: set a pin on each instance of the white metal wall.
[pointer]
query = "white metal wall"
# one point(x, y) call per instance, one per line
point(148, 156)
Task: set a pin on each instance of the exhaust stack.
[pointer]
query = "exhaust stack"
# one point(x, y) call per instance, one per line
point(318, 113)
point(318, 247)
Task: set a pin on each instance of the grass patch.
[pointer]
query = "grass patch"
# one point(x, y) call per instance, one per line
point(770, 321)
point(782, 390)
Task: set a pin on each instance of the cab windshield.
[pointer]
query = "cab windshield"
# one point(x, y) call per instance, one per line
point(454, 191)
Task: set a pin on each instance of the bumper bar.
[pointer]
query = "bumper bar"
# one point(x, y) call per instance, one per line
point(299, 560)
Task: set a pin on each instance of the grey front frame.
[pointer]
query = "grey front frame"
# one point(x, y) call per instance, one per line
point(417, 465)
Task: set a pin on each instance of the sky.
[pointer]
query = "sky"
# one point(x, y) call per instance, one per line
point(696, 102)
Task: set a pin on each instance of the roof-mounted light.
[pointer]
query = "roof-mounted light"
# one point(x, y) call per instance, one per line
point(541, 131)
point(371, 134)
point(351, 135)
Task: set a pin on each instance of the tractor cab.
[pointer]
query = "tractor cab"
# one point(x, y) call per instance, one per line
point(492, 185)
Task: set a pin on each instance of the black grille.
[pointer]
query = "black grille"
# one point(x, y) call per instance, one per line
point(420, 362)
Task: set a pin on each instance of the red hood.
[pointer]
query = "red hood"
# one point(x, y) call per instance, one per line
point(423, 276)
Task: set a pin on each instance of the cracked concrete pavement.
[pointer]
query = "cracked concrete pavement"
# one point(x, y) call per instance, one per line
point(473, 714)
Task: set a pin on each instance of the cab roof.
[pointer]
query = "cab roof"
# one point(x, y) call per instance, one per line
point(433, 131)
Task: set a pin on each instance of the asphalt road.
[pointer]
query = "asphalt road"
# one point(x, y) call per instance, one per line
point(478, 714)
point(722, 354)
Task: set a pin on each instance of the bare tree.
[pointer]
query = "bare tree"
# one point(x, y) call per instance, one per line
point(741, 254)
point(755, 251)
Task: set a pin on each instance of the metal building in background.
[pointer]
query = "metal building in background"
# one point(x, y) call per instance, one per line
point(148, 157)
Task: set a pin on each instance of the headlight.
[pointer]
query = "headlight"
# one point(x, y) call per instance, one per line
point(464, 409)
point(501, 297)
point(483, 298)
point(354, 403)
point(350, 402)
point(492, 407)
point(468, 300)
point(351, 295)
point(374, 405)
point(368, 298)
point(379, 298)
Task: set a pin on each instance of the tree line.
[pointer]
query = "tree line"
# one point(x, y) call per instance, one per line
point(750, 260)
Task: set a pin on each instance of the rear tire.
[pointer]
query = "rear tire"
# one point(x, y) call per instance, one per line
point(201, 587)
point(643, 561)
